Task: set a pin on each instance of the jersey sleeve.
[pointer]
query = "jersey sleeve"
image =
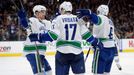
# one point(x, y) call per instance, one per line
point(54, 30)
point(96, 19)
point(86, 34)
point(100, 20)
point(33, 26)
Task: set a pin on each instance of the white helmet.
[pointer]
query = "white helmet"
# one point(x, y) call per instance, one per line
point(67, 6)
point(103, 10)
point(38, 8)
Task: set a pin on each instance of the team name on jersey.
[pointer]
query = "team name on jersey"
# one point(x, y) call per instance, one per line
point(73, 19)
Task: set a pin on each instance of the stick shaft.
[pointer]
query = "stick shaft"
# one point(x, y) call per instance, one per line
point(87, 54)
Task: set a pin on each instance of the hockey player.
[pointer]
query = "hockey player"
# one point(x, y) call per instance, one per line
point(38, 24)
point(103, 30)
point(69, 33)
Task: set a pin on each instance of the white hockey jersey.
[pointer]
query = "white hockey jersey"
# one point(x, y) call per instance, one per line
point(70, 33)
point(37, 26)
point(105, 31)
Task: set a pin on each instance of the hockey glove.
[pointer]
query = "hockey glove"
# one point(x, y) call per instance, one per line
point(83, 12)
point(33, 37)
point(23, 18)
point(41, 37)
point(97, 44)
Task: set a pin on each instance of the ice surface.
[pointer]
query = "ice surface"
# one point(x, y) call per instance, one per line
point(20, 66)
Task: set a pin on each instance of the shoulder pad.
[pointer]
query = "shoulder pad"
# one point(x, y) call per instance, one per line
point(33, 19)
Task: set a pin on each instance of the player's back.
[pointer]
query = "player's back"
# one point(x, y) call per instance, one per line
point(69, 40)
point(69, 27)
point(105, 31)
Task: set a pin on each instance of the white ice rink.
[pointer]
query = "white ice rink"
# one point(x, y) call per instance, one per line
point(20, 66)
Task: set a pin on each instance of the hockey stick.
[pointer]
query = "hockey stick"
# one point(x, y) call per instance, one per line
point(117, 58)
point(87, 54)
point(108, 2)
point(117, 64)
point(15, 5)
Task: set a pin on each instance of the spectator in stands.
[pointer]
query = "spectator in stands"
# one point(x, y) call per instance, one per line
point(121, 11)
point(12, 31)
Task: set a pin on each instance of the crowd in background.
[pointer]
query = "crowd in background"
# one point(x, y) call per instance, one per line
point(121, 12)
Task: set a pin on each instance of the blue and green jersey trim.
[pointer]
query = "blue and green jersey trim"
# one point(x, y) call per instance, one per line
point(88, 37)
point(76, 44)
point(53, 35)
point(29, 48)
point(95, 62)
point(99, 20)
point(95, 19)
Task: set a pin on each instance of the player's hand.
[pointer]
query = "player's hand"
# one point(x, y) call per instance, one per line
point(97, 44)
point(33, 37)
point(83, 12)
point(43, 37)
point(23, 18)
point(40, 37)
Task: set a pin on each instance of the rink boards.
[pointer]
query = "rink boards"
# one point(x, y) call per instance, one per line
point(15, 48)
